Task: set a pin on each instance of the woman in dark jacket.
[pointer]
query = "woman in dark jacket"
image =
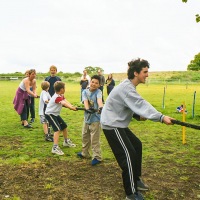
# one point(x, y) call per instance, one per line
point(110, 83)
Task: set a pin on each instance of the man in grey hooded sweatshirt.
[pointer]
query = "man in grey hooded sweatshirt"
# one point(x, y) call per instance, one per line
point(121, 105)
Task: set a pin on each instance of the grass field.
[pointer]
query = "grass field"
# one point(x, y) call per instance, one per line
point(28, 170)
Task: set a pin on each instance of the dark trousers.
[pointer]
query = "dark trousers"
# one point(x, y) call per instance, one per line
point(109, 89)
point(81, 93)
point(32, 107)
point(127, 149)
point(101, 88)
point(25, 112)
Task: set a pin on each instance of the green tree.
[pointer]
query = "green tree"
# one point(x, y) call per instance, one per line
point(197, 15)
point(93, 70)
point(194, 64)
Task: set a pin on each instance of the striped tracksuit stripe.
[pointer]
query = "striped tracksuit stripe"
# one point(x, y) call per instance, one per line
point(127, 149)
point(54, 122)
point(128, 160)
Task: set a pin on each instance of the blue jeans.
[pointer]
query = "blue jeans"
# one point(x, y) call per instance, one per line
point(81, 93)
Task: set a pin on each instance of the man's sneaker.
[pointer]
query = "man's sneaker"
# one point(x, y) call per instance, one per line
point(79, 154)
point(32, 120)
point(135, 196)
point(95, 162)
point(141, 186)
point(57, 151)
point(48, 138)
point(68, 143)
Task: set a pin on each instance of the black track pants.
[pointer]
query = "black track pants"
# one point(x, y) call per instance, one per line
point(127, 149)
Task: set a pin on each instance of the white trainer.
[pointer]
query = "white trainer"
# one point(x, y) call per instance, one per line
point(69, 143)
point(57, 151)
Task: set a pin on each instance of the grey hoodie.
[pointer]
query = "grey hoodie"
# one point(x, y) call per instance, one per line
point(122, 103)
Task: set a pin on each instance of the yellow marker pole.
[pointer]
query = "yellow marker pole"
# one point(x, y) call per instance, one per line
point(183, 128)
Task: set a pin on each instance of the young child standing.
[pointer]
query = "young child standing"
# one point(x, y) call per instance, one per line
point(52, 114)
point(52, 79)
point(92, 98)
point(44, 100)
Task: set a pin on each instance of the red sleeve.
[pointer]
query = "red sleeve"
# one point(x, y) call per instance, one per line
point(59, 99)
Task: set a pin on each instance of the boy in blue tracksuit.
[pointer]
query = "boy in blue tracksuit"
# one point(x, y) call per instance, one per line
point(122, 104)
point(92, 98)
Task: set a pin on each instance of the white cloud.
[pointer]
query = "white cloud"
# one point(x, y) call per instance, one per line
point(75, 34)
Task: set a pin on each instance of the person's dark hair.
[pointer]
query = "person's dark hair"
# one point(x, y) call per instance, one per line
point(58, 85)
point(96, 77)
point(136, 66)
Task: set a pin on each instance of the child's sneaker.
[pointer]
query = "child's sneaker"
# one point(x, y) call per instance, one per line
point(79, 154)
point(57, 150)
point(48, 138)
point(95, 162)
point(49, 131)
point(69, 143)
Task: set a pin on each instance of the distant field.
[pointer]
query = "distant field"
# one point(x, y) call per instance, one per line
point(182, 77)
point(28, 170)
point(170, 77)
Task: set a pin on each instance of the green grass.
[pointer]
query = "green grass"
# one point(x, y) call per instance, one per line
point(20, 146)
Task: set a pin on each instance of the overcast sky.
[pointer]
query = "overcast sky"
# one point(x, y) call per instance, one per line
point(73, 34)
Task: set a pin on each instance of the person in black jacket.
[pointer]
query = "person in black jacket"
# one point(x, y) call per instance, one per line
point(85, 81)
point(102, 82)
point(110, 83)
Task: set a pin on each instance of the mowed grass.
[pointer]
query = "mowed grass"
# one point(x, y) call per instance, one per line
point(161, 141)
point(20, 146)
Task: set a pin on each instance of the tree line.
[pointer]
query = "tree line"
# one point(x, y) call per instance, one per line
point(90, 70)
point(194, 65)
